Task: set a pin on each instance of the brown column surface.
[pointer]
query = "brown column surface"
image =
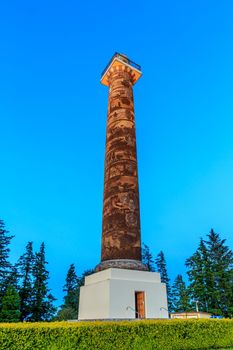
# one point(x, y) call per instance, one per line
point(121, 219)
point(121, 238)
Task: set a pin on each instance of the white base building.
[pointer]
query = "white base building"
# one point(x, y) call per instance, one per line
point(123, 294)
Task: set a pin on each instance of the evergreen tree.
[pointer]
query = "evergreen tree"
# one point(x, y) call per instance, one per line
point(10, 311)
point(147, 257)
point(84, 274)
point(69, 311)
point(161, 266)
point(11, 279)
point(66, 313)
point(180, 296)
point(71, 288)
point(210, 271)
point(42, 299)
point(5, 266)
point(199, 272)
point(221, 264)
point(25, 267)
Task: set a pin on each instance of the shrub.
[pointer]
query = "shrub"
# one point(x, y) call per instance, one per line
point(131, 335)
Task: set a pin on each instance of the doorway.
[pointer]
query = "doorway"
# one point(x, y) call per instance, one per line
point(139, 304)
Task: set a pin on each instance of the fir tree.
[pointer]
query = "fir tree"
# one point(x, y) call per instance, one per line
point(199, 273)
point(180, 296)
point(66, 313)
point(71, 288)
point(12, 279)
point(69, 309)
point(147, 257)
point(5, 266)
point(84, 274)
point(25, 267)
point(161, 266)
point(10, 311)
point(42, 299)
point(210, 271)
point(221, 264)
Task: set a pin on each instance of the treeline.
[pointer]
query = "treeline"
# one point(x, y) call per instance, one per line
point(209, 275)
point(24, 292)
point(25, 295)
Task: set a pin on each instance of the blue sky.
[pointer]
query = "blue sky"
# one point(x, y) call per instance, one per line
point(53, 121)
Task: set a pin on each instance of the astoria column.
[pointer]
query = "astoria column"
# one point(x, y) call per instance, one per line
point(121, 238)
point(114, 290)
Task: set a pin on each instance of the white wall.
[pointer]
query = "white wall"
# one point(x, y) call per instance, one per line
point(94, 301)
point(123, 295)
point(107, 294)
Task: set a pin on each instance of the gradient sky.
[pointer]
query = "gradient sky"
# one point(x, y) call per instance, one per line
point(53, 121)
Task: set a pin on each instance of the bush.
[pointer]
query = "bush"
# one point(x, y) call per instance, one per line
point(66, 313)
point(131, 335)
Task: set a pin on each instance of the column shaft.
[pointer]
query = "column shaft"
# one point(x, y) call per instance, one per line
point(121, 217)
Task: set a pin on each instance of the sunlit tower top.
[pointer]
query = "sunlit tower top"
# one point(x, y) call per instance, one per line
point(121, 62)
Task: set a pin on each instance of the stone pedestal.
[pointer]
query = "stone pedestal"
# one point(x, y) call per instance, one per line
point(111, 294)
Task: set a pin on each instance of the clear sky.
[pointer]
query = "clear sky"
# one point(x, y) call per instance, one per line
point(53, 121)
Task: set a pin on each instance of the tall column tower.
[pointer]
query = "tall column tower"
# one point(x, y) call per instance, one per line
point(121, 287)
point(121, 241)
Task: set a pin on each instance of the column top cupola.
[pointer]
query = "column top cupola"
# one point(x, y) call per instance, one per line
point(121, 62)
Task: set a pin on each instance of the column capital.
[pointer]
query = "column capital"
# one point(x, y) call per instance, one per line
point(121, 62)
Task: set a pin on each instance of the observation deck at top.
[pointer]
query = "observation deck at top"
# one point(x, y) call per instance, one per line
point(120, 60)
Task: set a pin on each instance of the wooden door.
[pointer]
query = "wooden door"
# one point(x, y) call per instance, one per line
point(140, 304)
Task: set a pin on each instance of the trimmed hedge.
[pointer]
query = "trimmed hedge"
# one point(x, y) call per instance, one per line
point(131, 335)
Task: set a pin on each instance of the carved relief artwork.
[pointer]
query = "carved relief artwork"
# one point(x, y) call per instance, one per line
point(121, 218)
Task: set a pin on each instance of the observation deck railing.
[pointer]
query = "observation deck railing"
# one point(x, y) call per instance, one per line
point(123, 59)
